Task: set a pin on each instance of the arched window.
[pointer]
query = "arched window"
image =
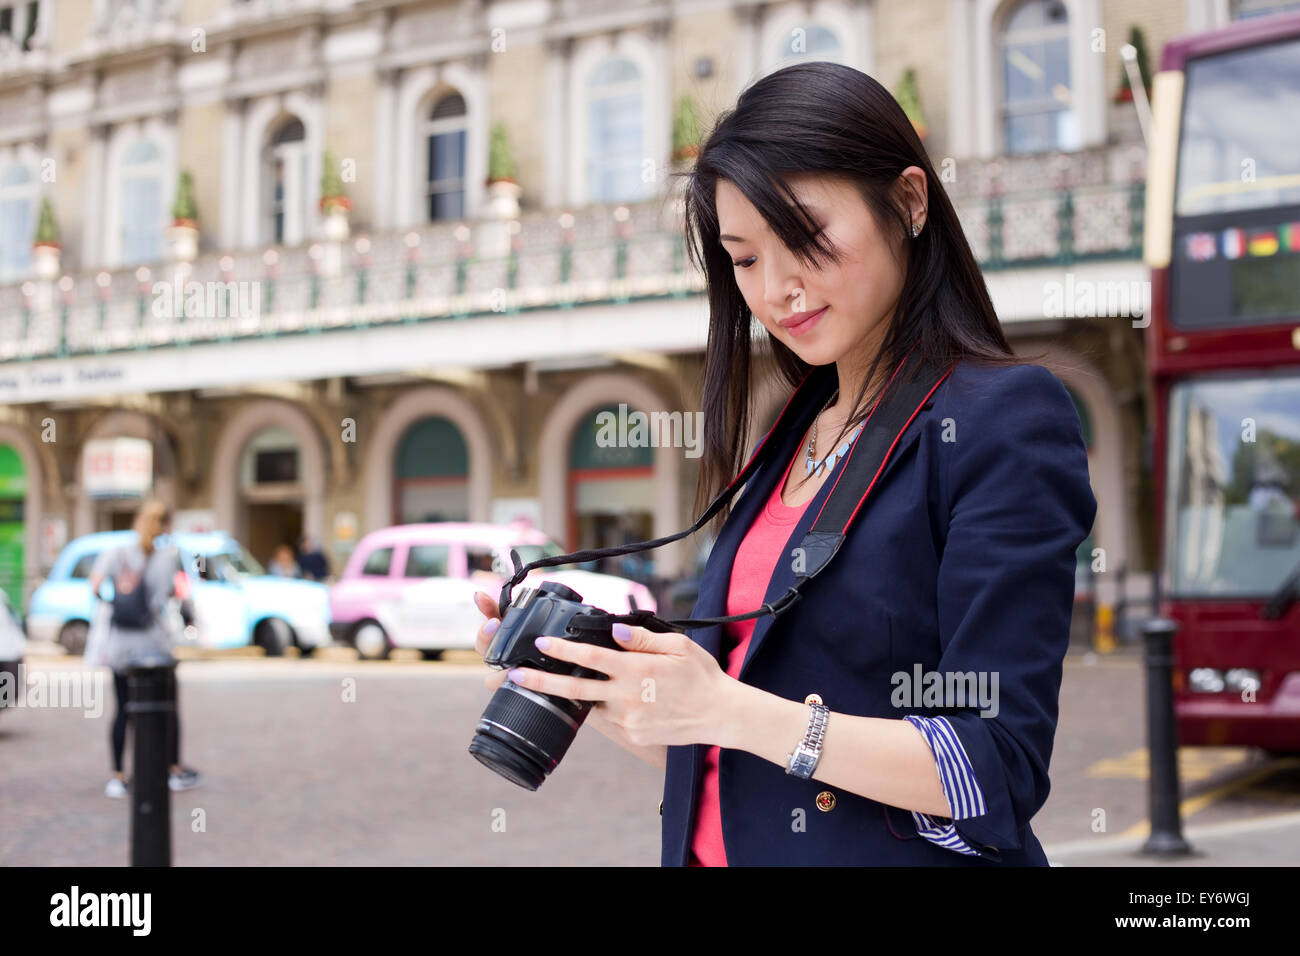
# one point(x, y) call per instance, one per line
point(611, 486)
point(1038, 112)
point(431, 473)
point(285, 173)
point(142, 212)
point(17, 220)
point(812, 42)
point(444, 167)
point(615, 132)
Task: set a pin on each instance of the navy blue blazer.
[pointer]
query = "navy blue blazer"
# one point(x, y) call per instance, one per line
point(962, 560)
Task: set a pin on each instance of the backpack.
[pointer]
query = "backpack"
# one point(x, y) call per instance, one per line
point(131, 609)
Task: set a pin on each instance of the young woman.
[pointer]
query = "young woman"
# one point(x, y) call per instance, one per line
point(813, 209)
point(141, 564)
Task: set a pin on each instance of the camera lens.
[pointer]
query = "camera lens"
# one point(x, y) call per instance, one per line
point(523, 735)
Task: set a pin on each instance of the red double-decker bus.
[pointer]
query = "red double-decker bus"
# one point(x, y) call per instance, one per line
point(1223, 347)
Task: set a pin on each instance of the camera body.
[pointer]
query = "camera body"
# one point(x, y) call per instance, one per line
point(523, 734)
point(545, 610)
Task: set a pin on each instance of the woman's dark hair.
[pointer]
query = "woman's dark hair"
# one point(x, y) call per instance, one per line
point(822, 117)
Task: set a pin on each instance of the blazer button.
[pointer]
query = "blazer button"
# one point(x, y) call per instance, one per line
point(661, 808)
point(826, 801)
point(813, 699)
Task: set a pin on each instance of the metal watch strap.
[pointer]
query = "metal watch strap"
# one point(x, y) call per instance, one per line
point(804, 759)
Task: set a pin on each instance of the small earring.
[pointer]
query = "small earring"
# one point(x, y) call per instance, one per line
point(916, 230)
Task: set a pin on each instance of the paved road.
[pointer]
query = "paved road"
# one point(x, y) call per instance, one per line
point(297, 775)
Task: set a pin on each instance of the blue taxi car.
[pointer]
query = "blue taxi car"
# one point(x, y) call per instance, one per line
point(236, 602)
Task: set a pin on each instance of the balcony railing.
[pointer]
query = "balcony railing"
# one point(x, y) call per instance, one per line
point(440, 272)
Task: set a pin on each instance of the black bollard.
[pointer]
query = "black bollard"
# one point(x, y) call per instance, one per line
point(1162, 741)
point(150, 703)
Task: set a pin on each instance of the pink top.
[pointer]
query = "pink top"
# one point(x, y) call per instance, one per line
point(756, 558)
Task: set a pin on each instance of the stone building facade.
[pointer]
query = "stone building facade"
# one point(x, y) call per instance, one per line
point(427, 351)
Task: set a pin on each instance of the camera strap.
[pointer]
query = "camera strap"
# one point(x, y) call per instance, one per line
point(884, 426)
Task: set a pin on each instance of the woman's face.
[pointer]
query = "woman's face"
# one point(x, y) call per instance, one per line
point(858, 294)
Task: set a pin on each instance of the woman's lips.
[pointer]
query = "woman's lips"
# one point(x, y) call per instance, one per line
point(802, 328)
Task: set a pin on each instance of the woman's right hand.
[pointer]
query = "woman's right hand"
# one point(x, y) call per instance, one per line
point(655, 756)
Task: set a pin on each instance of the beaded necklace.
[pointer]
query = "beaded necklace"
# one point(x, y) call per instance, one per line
point(814, 467)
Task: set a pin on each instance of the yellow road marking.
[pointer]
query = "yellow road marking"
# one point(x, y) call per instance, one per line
point(1202, 800)
point(1194, 763)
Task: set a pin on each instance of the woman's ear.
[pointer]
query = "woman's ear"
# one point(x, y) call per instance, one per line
point(914, 195)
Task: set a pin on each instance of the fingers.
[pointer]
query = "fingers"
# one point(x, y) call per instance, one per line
point(486, 604)
point(488, 607)
point(650, 642)
point(587, 655)
point(562, 685)
point(494, 680)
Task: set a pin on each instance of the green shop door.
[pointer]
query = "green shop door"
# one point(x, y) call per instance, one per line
point(13, 498)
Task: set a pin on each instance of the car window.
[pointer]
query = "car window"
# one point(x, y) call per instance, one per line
point(378, 563)
point(81, 569)
point(478, 558)
point(244, 564)
point(428, 561)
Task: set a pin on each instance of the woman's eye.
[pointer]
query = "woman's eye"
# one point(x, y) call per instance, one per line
point(744, 263)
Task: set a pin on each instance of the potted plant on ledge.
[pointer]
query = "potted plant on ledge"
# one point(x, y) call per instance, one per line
point(46, 249)
point(908, 95)
point(334, 202)
point(502, 189)
point(686, 131)
point(1138, 40)
point(183, 234)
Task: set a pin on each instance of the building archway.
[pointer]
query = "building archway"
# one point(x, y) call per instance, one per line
point(553, 451)
point(234, 495)
point(406, 411)
point(117, 513)
point(30, 513)
point(1105, 452)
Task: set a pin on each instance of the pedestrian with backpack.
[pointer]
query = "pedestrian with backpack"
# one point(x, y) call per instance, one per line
point(145, 578)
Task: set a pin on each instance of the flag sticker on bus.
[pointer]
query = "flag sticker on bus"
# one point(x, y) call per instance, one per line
point(1234, 243)
point(1263, 242)
point(1201, 246)
point(1291, 236)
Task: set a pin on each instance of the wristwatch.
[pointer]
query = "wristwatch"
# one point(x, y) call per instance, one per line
point(803, 761)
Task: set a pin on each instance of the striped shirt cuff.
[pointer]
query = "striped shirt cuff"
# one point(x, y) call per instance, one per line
point(957, 777)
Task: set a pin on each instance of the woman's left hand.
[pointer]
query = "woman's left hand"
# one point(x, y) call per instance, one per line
point(663, 689)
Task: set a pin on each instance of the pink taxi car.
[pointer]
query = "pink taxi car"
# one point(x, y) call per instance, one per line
point(413, 585)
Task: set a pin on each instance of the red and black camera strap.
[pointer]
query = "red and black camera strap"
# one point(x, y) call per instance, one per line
point(858, 476)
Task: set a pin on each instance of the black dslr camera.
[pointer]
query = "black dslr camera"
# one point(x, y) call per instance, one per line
point(523, 734)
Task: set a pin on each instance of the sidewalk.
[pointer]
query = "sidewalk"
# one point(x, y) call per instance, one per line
point(1267, 841)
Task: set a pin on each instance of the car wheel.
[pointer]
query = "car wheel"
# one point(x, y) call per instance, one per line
point(432, 655)
point(273, 636)
point(73, 637)
point(371, 641)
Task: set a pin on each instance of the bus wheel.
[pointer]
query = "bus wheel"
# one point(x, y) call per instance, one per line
point(431, 655)
point(273, 636)
point(73, 637)
point(371, 641)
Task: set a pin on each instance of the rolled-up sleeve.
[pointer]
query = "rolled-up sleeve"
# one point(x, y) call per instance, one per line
point(1015, 479)
point(957, 777)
